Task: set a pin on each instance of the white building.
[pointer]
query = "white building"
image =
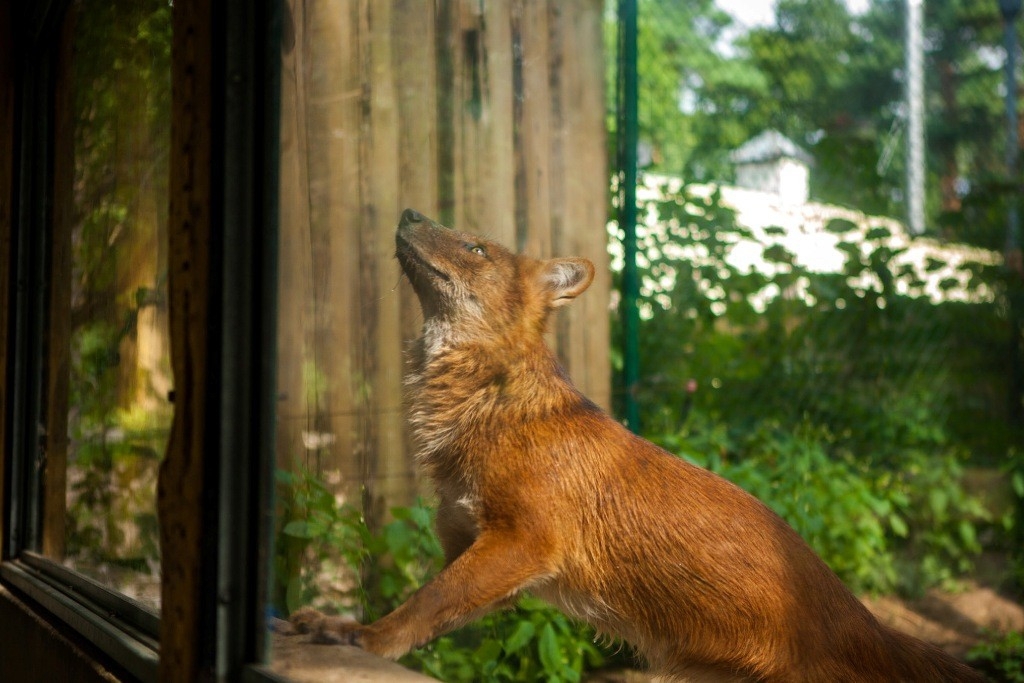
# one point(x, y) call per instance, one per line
point(772, 163)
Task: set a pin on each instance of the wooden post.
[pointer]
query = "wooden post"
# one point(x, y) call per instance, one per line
point(182, 485)
point(295, 269)
point(580, 179)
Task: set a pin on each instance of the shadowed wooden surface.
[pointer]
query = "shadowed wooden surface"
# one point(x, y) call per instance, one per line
point(486, 116)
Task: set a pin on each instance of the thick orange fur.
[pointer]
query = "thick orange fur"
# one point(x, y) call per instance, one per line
point(541, 491)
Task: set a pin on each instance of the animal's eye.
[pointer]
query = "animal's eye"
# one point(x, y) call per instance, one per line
point(476, 249)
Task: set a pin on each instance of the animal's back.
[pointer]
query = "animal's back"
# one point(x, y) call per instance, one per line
point(706, 581)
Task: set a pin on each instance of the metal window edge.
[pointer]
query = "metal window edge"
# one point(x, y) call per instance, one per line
point(133, 650)
point(123, 607)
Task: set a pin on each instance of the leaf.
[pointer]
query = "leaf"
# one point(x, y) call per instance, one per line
point(420, 516)
point(937, 500)
point(550, 654)
point(397, 536)
point(840, 225)
point(899, 527)
point(1018, 484)
point(298, 529)
point(389, 586)
point(520, 637)
point(778, 254)
point(570, 674)
point(967, 533)
point(488, 653)
point(877, 233)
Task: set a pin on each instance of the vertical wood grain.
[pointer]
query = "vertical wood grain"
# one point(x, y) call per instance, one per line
point(413, 54)
point(469, 112)
point(392, 466)
point(295, 269)
point(586, 191)
point(182, 485)
point(579, 212)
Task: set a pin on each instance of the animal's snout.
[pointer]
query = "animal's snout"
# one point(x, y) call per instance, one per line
point(411, 217)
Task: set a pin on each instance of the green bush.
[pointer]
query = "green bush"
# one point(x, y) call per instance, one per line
point(312, 530)
point(846, 403)
point(878, 529)
point(1001, 658)
point(533, 642)
point(943, 520)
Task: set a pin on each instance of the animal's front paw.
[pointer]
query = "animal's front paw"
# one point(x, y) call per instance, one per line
point(306, 619)
point(324, 629)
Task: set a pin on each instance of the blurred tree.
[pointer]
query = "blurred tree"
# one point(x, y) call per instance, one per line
point(833, 86)
point(833, 82)
point(681, 60)
point(119, 369)
point(836, 82)
point(966, 128)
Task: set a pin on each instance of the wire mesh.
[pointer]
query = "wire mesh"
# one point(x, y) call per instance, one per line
point(781, 284)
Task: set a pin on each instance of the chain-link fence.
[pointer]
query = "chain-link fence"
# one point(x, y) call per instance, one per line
point(794, 332)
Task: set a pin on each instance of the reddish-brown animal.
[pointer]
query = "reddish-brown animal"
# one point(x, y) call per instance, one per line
point(541, 491)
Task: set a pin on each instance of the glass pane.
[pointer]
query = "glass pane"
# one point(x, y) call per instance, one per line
point(830, 280)
point(109, 377)
point(488, 117)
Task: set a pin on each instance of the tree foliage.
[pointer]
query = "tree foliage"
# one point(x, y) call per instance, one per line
point(847, 404)
point(119, 354)
point(834, 82)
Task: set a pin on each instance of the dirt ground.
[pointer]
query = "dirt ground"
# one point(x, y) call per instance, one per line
point(957, 620)
point(954, 621)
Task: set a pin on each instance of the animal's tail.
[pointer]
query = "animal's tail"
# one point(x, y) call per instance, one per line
point(916, 660)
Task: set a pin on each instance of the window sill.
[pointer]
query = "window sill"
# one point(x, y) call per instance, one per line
point(296, 659)
point(109, 623)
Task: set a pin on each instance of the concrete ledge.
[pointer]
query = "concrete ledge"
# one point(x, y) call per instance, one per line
point(298, 660)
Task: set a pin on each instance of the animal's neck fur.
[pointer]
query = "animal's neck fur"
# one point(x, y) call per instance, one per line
point(458, 392)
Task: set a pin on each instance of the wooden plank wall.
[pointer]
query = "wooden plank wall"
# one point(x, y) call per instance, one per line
point(485, 114)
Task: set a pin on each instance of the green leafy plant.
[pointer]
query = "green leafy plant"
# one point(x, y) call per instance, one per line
point(943, 518)
point(1000, 657)
point(379, 569)
point(846, 400)
point(533, 642)
point(313, 531)
point(1013, 520)
point(879, 530)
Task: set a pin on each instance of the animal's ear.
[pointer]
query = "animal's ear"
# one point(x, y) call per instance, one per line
point(566, 278)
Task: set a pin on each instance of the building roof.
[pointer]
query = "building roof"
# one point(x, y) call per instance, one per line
point(768, 146)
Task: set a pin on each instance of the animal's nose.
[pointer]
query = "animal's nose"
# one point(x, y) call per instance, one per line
point(411, 217)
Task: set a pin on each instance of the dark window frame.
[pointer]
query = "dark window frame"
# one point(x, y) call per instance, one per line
point(240, 117)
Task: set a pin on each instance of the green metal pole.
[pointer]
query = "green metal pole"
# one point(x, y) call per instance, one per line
point(1010, 10)
point(628, 135)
